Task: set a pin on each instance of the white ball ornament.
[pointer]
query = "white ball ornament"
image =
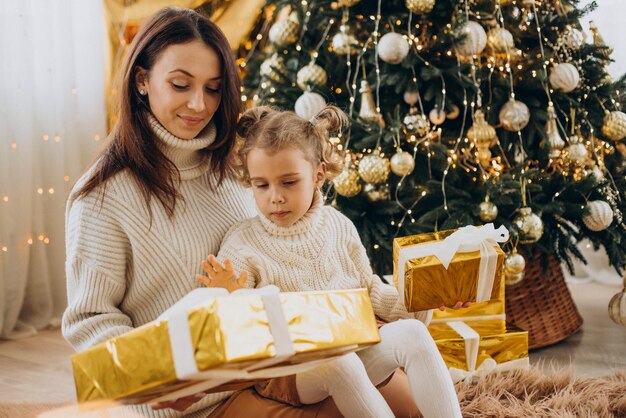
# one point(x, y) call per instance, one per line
point(272, 67)
point(598, 216)
point(514, 115)
point(311, 75)
point(473, 39)
point(393, 48)
point(564, 77)
point(309, 105)
point(284, 32)
point(344, 43)
point(573, 38)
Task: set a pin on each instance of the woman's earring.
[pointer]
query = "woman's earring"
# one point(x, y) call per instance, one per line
point(142, 92)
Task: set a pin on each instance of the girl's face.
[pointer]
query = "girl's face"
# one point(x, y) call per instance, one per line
point(283, 183)
point(183, 87)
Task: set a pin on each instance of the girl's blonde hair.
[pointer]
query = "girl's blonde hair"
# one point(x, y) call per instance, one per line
point(270, 129)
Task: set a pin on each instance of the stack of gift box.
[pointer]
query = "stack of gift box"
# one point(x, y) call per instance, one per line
point(442, 268)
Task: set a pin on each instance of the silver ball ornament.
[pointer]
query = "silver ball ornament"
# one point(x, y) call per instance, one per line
point(564, 77)
point(402, 163)
point(529, 225)
point(575, 154)
point(272, 67)
point(344, 43)
point(416, 123)
point(473, 39)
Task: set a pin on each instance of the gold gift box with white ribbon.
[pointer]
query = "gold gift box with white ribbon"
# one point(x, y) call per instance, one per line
point(210, 339)
point(441, 268)
point(473, 349)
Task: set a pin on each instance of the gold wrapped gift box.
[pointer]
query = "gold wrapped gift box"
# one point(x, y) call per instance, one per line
point(499, 342)
point(230, 332)
point(428, 284)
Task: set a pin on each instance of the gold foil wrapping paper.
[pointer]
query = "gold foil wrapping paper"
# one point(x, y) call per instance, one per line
point(227, 332)
point(498, 341)
point(428, 284)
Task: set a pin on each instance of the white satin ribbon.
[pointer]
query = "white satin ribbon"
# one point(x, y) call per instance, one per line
point(472, 341)
point(466, 239)
point(180, 335)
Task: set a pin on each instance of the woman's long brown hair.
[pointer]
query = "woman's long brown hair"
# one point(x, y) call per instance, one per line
point(132, 143)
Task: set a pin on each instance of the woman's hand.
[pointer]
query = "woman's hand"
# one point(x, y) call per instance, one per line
point(457, 305)
point(221, 275)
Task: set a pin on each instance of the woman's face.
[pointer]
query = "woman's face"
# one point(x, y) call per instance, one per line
point(183, 87)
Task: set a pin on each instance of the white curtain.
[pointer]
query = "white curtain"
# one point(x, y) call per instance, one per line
point(52, 121)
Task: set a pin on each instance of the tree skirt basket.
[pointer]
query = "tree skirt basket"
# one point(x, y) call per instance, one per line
point(542, 304)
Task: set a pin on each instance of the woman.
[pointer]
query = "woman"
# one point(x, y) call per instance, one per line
point(160, 198)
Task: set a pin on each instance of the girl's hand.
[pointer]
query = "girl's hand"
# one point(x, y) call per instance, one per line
point(457, 305)
point(221, 275)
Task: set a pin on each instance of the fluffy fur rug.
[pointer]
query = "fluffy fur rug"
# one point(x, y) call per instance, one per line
point(549, 394)
point(533, 393)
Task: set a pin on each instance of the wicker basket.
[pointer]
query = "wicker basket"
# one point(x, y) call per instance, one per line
point(542, 305)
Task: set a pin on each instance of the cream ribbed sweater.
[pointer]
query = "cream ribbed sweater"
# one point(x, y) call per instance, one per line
point(321, 251)
point(123, 272)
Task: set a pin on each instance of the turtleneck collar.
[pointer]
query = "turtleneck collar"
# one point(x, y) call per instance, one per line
point(307, 223)
point(184, 153)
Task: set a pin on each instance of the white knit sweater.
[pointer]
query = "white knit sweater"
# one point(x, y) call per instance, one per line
point(122, 271)
point(321, 251)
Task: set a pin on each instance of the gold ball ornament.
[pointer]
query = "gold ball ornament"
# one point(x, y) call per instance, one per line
point(347, 183)
point(309, 104)
point(576, 153)
point(500, 41)
point(376, 192)
point(393, 48)
point(420, 6)
point(402, 163)
point(514, 266)
point(514, 115)
point(617, 307)
point(564, 77)
point(344, 43)
point(411, 97)
point(454, 112)
point(343, 3)
point(598, 215)
point(481, 133)
point(416, 123)
point(472, 39)
point(437, 116)
point(614, 125)
point(311, 75)
point(272, 67)
point(488, 211)
point(529, 225)
point(284, 32)
point(374, 169)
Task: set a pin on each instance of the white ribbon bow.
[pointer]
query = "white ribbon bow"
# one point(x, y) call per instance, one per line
point(466, 239)
point(472, 342)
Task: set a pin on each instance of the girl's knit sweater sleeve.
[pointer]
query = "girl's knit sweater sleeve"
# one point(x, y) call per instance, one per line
point(236, 247)
point(96, 261)
point(385, 301)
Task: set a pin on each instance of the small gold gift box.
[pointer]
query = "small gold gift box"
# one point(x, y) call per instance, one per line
point(441, 268)
point(230, 338)
point(476, 348)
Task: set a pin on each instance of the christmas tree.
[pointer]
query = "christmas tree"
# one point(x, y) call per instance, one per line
point(463, 112)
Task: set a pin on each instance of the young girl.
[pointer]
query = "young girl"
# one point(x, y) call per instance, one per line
point(298, 244)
